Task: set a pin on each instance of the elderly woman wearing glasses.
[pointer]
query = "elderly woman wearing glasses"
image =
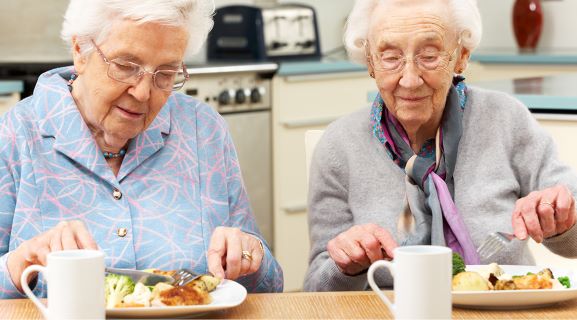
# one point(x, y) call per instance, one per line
point(106, 156)
point(433, 161)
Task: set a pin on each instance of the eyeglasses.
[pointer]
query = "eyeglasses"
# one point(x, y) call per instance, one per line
point(426, 61)
point(131, 73)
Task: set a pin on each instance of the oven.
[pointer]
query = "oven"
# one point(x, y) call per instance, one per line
point(242, 95)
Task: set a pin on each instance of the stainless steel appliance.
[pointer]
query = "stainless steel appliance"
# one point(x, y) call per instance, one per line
point(241, 94)
point(250, 33)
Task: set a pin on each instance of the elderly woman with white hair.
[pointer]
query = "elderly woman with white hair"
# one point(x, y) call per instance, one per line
point(432, 161)
point(106, 156)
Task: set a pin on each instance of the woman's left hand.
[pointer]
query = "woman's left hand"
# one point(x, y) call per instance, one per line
point(544, 214)
point(233, 253)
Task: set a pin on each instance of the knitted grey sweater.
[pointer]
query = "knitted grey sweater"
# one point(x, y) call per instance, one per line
point(503, 155)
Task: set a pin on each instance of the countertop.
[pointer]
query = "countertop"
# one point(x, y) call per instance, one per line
point(552, 94)
point(323, 66)
point(8, 87)
point(514, 56)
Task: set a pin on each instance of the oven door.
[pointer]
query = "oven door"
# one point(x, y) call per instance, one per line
point(251, 133)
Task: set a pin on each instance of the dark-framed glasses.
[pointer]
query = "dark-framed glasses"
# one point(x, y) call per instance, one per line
point(166, 79)
point(425, 61)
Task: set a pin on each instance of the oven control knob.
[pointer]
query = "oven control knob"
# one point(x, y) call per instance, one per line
point(240, 96)
point(224, 98)
point(255, 96)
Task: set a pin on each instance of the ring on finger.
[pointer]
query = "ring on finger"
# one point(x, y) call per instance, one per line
point(246, 255)
point(547, 203)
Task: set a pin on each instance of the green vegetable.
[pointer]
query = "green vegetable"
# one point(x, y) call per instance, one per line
point(530, 273)
point(565, 281)
point(458, 264)
point(117, 287)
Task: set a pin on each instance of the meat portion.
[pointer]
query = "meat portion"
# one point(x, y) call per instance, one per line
point(185, 296)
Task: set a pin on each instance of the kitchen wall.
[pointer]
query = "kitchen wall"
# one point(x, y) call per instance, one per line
point(29, 29)
point(559, 23)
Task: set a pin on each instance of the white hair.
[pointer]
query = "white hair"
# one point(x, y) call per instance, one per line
point(92, 19)
point(465, 13)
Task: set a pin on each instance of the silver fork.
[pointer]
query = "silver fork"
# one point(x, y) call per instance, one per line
point(494, 243)
point(184, 276)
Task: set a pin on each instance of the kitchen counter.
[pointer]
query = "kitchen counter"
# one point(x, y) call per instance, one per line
point(544, 95)
point(513, 56)
point(484, 56)
point(324, 66)
point(9, 87)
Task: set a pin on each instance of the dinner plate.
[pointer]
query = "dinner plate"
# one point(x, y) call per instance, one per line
point(517, 299)
point(227, 295)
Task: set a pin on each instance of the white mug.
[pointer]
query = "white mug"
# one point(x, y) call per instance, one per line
point(75, 280)
point(422, 280)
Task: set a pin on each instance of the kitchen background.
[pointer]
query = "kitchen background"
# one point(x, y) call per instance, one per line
point(282, 101)
point(29, 29)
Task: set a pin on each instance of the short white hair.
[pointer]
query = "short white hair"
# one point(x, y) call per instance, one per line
point(92, 19)
point(465, 13)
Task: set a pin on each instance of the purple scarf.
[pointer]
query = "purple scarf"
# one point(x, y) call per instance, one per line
point(434, 216)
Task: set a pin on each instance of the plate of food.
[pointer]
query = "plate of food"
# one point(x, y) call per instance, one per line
point(127, 299)
point(512, 286)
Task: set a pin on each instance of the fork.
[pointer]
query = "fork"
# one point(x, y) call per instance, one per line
point(184, 276)
point(494, 243)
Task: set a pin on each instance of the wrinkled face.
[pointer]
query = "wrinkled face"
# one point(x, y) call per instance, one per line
point(414, 95)
point(117, 109)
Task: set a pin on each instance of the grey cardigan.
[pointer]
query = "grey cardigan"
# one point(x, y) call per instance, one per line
point(503, 155)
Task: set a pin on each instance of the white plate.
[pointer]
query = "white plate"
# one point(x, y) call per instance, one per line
point(517, 299)
point(227, 295)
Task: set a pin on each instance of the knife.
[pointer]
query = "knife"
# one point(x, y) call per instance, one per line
point(146, 278)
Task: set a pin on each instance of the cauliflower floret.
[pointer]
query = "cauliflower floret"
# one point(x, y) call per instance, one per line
point(140, 296)
point(493, 268)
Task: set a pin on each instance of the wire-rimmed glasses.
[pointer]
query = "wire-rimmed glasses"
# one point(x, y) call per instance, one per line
point(130, 73)
point(425, 61)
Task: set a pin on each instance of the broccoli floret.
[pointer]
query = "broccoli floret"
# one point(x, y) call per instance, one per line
point(458, 264)
point(117, 287)
point(565, 281)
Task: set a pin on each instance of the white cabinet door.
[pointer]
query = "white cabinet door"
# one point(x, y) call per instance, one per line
point(301, 103)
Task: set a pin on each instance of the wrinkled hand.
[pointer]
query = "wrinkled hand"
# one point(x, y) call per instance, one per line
point(357, 248)
point(225, 258)
point(544, 214)
point(66, 235)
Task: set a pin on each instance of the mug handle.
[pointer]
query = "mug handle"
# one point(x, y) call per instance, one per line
point(29, 293)
point(375, 287)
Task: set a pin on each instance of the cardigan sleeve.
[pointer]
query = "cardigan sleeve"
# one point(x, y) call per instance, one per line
point(538, 167)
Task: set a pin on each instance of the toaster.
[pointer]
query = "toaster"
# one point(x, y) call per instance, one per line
point(248, 33)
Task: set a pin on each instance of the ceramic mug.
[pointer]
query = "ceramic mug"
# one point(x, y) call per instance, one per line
point(75, 280)
point(422, 282)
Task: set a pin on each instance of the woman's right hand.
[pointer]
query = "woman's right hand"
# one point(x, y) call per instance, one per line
point(66, 235)
point(357, 248)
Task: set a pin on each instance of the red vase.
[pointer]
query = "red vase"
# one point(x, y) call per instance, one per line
point(527, 23)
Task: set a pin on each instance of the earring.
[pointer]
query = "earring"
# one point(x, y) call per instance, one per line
point(372, 74)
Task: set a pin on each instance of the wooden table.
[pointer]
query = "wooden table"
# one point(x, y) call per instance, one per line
point(325, 305)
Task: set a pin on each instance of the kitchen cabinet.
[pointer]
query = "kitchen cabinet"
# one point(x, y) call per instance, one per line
point(9, 94)
point(302, 102)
